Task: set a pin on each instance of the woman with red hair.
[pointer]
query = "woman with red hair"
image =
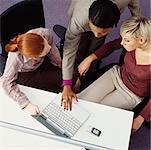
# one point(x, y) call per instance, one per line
point(33, 60)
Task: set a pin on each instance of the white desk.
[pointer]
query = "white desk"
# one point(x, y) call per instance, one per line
point(16, 140)
point(114, 123)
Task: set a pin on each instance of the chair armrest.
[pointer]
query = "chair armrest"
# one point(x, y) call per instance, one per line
point(60, 31)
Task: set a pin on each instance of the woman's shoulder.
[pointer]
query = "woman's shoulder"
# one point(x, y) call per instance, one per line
point(40, 30)
point(44, 32)
point(14, 56)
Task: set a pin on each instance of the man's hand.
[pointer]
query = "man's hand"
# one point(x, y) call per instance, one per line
point(33, 110)
point(137, 122)
point(85, 64)
point(67, 95)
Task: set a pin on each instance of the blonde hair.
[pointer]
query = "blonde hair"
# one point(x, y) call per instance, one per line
point(29, 44)
point(137, 26)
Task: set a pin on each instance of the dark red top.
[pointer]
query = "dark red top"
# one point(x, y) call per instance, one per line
point(137, 78)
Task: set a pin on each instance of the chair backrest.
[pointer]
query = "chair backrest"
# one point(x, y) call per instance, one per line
point(20, 18)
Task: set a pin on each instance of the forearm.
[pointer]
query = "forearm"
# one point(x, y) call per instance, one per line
point(92, 57)
point(14, 92)
point(108, 48)
point(68, 66)
point(8, 80)
point(69, 55)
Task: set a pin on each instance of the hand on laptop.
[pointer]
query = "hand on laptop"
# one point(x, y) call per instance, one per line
point(33, 109)
point(67, 96)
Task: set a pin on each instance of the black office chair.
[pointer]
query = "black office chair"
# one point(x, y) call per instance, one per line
point(60, 32)
point(18, 19)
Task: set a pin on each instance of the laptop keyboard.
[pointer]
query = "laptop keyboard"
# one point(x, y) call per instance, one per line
point(62, 118)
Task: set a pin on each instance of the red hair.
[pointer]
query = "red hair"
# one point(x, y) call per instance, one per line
point(29, 44)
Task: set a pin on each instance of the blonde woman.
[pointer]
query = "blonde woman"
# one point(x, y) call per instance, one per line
point(124, 86)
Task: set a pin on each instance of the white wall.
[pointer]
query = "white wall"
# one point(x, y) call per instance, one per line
point(4, 4)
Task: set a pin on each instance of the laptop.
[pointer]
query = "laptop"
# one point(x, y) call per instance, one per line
point(65, 122)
